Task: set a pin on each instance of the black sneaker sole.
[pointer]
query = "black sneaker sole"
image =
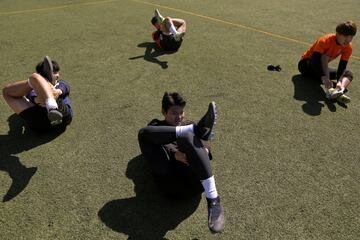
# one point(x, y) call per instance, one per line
point(48, 69)
point(55, 117)
point(216, 217)
point(206, 132)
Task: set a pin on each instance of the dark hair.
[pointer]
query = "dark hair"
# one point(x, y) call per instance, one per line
point(172, 99)
point(40, 66)
point(347, 28)
point(153, 20)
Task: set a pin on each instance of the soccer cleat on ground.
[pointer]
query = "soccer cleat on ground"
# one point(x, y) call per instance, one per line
point(48, 69)
point(204, 129)
point(179, 36)
point(333, 93)
point(343, 99)
point(216, 218)
point(55, 117)
point(160, 19)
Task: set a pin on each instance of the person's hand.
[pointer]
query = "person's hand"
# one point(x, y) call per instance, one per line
point(327, 82)
point(56, 92)
point(180, 156)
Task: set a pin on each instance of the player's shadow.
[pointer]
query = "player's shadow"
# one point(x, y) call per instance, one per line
point(152, 51)
point(148, 215)
point(19, 139)
point(310, 91)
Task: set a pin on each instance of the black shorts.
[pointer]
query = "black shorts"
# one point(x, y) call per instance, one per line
point(36, 117)
point(166, 42)
point(306, 69)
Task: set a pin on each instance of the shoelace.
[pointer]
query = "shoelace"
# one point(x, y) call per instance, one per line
point(274, 68)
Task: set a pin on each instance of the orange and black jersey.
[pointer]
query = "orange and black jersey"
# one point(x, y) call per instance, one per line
point(328, 45)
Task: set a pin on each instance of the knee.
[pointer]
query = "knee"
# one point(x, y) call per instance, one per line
point(348, 74)
point(5, 91)
point(144, 135)
point(302, 67)
point(183, 25)
point(168, 21)
point(35, 77)
point(141, 134)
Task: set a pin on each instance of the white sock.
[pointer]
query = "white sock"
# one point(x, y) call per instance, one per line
point(210, 187)
point(173, 29)
point(51, 104)
point(181, 130)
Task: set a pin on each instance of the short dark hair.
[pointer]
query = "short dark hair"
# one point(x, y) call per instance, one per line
point(40, 66)
point(153, 20)
point(172, 99)
point(347, 28)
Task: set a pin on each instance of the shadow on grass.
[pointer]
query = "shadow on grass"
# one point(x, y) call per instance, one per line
point(20, 139)
point(310, 91)
point(152, 51)
point(148, 215)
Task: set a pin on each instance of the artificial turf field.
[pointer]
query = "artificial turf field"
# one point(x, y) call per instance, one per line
point(286, 161)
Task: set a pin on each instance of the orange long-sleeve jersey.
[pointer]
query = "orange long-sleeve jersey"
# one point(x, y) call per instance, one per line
point(327, 45)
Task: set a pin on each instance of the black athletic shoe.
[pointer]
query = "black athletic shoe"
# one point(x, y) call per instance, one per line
point(55, 117)
point(48, 69)
point(204, 129)
point(216, 219)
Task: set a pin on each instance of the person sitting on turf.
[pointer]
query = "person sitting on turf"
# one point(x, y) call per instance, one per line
point(170, 31)
point(314, 62)
point(42, 100)
point(179, 155)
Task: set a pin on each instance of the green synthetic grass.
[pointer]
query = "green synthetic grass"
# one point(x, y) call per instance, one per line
point(286, 162)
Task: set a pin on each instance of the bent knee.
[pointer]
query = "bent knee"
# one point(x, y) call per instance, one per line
point(144, 134)
point(141, 133)
point(5, 90)
point(35, 77)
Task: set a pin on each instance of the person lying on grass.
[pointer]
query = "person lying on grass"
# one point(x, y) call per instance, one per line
point(314, 62)
point(179, 155)
point(170, 31)
point(42, 100)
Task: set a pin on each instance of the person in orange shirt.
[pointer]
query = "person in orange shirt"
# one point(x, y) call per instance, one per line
point(314, 62)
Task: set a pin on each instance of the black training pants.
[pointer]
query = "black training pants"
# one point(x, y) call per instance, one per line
point(310, 67)
point(172, 176)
